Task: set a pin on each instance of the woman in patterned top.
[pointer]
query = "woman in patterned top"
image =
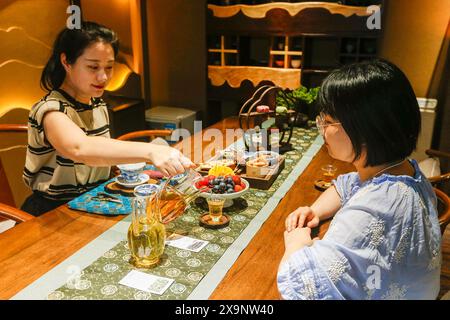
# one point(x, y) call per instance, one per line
point(384, 241)
point(69, 146)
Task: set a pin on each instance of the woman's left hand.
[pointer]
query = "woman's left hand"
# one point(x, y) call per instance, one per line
point(297, 239)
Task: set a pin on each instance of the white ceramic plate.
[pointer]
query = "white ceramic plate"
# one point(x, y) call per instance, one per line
point(143, 178)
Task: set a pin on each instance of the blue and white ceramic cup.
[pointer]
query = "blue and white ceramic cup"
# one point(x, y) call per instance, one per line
point(130, 172)
point(146, 190)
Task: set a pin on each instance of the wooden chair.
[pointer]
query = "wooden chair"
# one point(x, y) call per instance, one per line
point(443, 209)
point(145, 134)
point(439, 184)
point(442, 178)
point(13, 146)
point(19, 216)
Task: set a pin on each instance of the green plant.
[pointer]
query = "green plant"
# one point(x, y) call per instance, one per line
point(297, 98)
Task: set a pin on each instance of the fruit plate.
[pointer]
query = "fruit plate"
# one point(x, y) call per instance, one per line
point(227, 196)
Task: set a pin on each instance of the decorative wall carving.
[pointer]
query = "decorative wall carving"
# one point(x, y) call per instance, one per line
point(235, 75)
point(260, 11)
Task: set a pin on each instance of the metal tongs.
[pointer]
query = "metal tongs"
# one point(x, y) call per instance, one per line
point(103, 196)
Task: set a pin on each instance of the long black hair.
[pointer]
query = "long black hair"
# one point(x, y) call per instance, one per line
point(377, 108)
point(73, 42)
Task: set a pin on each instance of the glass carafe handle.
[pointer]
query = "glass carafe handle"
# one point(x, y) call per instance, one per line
point(139, 210)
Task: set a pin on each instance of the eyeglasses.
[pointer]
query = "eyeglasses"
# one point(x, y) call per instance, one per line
point(320, 124)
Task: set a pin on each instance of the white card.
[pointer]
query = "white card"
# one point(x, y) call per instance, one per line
point(186, 243)
point(146, 282)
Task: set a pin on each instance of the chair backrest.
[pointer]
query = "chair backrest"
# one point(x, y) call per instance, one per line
point(8, 212)
point(145, 134)
point(13, 146)
point(6, 195)
point(442, 180)
point(443, 209)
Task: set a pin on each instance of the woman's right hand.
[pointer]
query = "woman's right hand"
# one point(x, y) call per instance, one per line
point(169, 160)
point(299, 217)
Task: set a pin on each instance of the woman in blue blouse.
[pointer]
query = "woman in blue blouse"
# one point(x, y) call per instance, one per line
point(384, 241)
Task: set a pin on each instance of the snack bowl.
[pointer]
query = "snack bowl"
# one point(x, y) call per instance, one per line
point(295, 63)
point(262, 164)
point(227, 196)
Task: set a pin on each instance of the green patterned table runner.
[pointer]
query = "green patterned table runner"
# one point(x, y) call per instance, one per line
point(195, 274)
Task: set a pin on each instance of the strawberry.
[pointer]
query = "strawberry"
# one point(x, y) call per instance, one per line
point(236, 180)
point(203, 183)
point(238, 188)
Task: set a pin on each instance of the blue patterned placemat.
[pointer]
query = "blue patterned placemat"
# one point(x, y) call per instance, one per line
point(86, 202)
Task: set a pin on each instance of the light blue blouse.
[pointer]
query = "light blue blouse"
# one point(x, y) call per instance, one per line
point(384, 243)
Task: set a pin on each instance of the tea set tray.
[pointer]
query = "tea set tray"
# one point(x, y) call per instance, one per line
point(255, 182)
point(265, 182)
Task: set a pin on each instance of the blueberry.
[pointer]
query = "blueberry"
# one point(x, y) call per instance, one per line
point(230, 190)
point(222, 185)
point(230, 186)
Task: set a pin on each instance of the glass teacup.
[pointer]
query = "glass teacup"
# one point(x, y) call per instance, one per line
point(215, 205)
point(329, 172)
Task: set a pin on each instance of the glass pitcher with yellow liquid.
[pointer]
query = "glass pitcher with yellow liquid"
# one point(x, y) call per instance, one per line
point(147, 233)
point(153, 207)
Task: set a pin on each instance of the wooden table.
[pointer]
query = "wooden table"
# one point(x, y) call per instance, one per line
point(31, 249)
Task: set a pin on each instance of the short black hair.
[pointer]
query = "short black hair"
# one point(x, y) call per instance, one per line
point(377, 107)
point(73, 42)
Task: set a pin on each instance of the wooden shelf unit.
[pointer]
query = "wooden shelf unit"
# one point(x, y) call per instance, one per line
point(285, 51)
point(322, 35)
point(223, 51)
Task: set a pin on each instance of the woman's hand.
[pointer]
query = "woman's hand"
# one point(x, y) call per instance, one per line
point(299, 217)
point(295, 240)
point(169, 161)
